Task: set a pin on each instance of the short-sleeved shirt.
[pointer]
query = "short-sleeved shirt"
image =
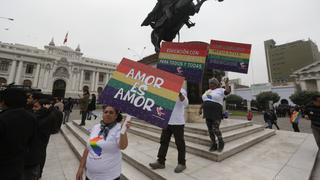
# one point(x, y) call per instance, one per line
point(216, 95)
point(104, 158)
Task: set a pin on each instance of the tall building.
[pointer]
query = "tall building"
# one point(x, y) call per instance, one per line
point(283, 60)
point(59, 70)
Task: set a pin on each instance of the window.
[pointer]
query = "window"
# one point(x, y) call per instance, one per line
point(101, 77)
point(29, 69)
point(4, 65)
point(87, 76)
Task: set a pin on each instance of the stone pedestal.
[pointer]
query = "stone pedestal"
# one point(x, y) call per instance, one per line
point(192, 114)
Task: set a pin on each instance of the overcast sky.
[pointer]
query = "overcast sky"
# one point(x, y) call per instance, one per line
point(105, 29)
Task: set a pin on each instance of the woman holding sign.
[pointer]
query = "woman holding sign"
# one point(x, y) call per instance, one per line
point(212, 111)
point(102, 157)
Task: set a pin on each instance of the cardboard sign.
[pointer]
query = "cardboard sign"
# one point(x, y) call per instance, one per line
point(183, 59)
point(143, 91)
point(229, 56)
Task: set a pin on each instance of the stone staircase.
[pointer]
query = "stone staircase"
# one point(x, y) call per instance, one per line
point(144, 143)
point(237, 136)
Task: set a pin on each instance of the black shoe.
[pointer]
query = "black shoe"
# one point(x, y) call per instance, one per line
point(221, 146)
point(95, 117)
point(157, 165)
point(213, 147)
point(82, 124)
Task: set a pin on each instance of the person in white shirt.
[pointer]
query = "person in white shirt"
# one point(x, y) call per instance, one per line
point(102, 157)
point(175, 127)
point(212, 111)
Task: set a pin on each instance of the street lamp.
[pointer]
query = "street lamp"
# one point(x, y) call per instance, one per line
point(10, 19)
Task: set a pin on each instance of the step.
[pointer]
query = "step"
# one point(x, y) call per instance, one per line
point(77, 143)
point(129, 171)
point(230, 149)
point(205, 139)
point(141, 161)
point(201, 128)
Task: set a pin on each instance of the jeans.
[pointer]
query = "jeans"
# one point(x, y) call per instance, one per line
point(178, 133)
point(31, 173)
point(316, 134)
point(83, 117)
point(66, 116)
point(214, 130)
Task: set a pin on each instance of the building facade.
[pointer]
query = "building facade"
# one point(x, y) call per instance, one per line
point(283, 60)
point(308, 77)
point(59, 70)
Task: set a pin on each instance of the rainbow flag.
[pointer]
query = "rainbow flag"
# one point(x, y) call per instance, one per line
point(183, 59)
point(296, 117)
point(95, 147)
point(143, 91)
point(229, 56)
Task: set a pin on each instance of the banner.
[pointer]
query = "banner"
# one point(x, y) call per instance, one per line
point(183, 59)
point(143, 91)
point(229, 56)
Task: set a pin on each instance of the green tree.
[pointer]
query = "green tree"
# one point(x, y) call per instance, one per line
point(303, 98)
point(264, 98)
point(234, 99)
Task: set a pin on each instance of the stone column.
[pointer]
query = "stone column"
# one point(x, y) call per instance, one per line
point(12, 72)
point(19, 72)
point(303, 85)
point(45, 79)
point(81, 80)
point(36, 77)
point(97, 81)
point(93, 81)
point(73, 79)
point(318, 85)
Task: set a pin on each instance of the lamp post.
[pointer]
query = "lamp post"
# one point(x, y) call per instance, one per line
point(137, 54)
point(10, 19)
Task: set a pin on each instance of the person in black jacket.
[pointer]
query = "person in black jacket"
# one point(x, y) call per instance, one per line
point(43, 110)
point(313, 113)
point(68, 105)
point(92, 107)
point(17, 131)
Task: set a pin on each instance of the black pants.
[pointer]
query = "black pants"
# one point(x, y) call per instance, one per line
point(178, 133)
point(31, 173)
point(83, 117)
point(43, 157)
point(214, 130)
point(118, 178)
point(295, 127)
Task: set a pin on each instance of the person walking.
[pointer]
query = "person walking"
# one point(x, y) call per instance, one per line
point(271, 119)
point(313, 113)
point(249, 115)
point(175, 127)
point(92, 107)
point(83, 103)
point(68, 106)
point(295, 119)
point(212, 111)
point(102, 157)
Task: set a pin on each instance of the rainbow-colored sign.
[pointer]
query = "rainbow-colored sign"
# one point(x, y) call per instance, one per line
point(229, 56)
point(143, 91)
point(296, 117)
point(183, 59)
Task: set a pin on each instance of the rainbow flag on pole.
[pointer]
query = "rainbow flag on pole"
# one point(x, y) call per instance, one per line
point(296, 117)
point(143, 91)
point(184, 59)
point(229, 56)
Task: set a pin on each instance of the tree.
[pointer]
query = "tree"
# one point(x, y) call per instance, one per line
point(303, 98)
point(234, 99)
point(264, 98)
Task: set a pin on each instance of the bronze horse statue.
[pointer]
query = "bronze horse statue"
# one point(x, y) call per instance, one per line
point(168, 17)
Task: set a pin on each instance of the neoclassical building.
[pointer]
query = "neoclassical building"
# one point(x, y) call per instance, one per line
point(59, 70)
point(308, 77)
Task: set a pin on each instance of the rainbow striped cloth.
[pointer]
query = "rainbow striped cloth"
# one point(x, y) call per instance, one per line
point(229, 56)
point(143, 91)
point(184, 59)
point(296, 117)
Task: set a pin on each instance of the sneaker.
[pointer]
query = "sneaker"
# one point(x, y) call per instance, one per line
point(180, 168)
point(157, 165)
point(221, 146)
point(213, 147)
